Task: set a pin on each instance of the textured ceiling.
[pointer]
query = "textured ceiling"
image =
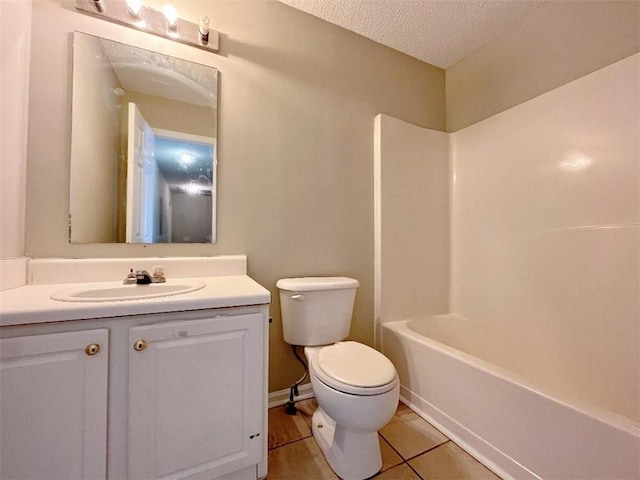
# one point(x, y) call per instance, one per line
point(439, 32)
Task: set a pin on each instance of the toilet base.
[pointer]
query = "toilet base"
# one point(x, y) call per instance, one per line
point(352, 455)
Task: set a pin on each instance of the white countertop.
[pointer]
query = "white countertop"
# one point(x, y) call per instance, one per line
point(32, 303)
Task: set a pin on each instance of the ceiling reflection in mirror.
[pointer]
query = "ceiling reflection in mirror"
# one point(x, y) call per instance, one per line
point(143, 146)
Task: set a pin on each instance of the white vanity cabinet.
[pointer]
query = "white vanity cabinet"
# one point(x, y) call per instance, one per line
point(168, 395)
point(195, 397)
point(176, 390)
point(53, 405)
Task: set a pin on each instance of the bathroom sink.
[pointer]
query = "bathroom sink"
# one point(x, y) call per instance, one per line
point(111, 292)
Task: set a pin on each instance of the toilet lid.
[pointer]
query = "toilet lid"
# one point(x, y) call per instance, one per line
point(355, 364)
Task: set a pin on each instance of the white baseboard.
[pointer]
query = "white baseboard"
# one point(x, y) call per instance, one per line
point(282, 396)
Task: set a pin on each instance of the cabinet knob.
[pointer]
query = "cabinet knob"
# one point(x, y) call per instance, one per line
point(139, 345)
point(92, 349)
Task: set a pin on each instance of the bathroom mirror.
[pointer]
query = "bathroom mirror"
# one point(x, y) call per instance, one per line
point(143, 146)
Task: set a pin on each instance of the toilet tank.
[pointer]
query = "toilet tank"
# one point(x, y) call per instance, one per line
point(316, 310)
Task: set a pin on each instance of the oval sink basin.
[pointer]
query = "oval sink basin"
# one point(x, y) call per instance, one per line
point(112, 292)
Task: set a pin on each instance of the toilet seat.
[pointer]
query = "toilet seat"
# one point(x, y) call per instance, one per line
point(354, 368)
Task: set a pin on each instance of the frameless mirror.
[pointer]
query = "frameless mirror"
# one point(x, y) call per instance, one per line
point(143, 146)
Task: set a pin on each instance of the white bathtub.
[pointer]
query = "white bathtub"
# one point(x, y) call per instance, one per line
point(509, 426)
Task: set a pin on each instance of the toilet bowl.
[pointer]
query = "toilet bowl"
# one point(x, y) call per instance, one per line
point(357, 387)
point(348, 417)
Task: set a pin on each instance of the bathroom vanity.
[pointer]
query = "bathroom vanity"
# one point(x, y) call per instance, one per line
point(171, 387)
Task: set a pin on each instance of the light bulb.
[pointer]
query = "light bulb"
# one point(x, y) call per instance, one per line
point(192, 189)
point(100, 6)
point(204, 25)
point(134, 7)
point(203, 30)
point(187, 158)
point(171, 14)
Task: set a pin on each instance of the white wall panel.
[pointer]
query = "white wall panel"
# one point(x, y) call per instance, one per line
point(545, 237)
point(412, 220)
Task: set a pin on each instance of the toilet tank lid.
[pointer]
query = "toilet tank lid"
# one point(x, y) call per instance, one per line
point(306, 284)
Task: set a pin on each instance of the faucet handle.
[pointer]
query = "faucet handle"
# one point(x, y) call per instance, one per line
point(130, 279)
point(158, 271)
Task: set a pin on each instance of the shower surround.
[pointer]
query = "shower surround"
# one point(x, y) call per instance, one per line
point(544, 235)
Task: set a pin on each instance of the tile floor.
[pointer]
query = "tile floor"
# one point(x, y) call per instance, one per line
point(412, 449)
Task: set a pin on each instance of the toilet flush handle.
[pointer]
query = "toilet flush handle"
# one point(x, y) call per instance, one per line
point(298, 296)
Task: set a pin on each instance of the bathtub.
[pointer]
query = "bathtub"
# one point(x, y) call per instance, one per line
point(514, 429)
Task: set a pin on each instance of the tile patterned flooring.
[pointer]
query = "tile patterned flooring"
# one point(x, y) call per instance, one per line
point(412, 449)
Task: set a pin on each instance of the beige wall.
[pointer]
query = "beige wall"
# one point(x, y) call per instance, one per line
point(545, 235)
point(15, 43)
point(558, 42)
point(168, 114)
point(297, 103)
point(412, 220)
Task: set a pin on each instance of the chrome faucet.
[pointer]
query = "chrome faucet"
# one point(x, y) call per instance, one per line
point(143, 277)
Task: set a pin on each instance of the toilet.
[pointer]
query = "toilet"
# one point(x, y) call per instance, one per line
point(357, 387)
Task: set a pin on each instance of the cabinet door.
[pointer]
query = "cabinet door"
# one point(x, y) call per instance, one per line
point(53, 406)
point(196, 397)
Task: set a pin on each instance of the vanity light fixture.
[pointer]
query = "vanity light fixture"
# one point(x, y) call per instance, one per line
point(165, 23)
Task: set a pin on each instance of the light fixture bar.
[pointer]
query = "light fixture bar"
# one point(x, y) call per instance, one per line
point(151, 21)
